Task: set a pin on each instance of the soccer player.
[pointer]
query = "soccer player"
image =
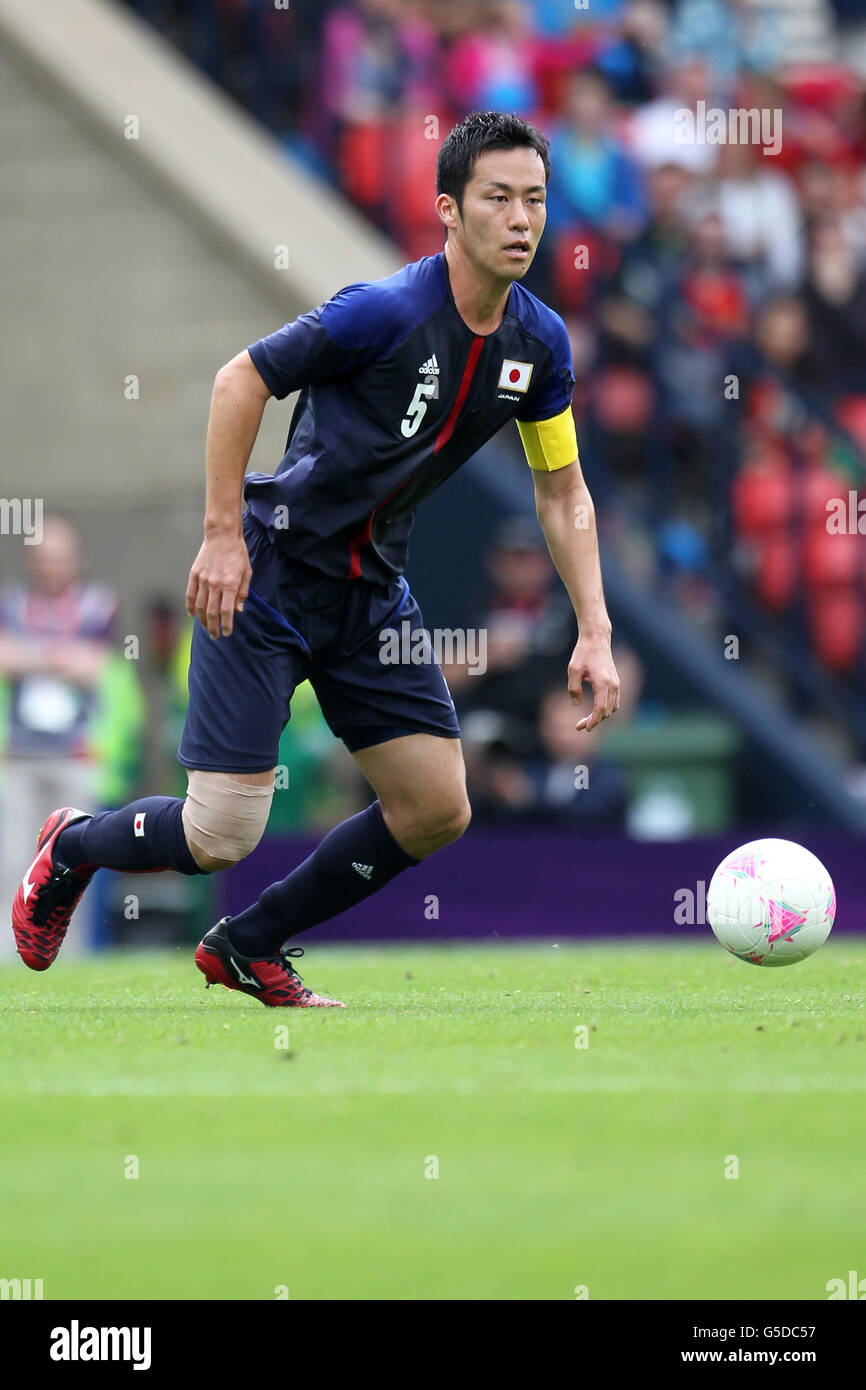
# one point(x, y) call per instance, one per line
point(401, 380)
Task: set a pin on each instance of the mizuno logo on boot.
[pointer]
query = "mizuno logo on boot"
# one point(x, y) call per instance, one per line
point(245, 979)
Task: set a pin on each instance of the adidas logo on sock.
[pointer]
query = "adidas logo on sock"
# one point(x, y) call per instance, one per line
point(430, 367)
point(365, 870)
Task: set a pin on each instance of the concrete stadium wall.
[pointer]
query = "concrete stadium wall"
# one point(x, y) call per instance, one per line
point(101, 280)
point(151, 258)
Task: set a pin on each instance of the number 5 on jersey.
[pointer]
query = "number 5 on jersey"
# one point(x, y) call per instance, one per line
point(418, 407)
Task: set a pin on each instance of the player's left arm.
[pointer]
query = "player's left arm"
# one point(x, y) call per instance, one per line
point(567, 516)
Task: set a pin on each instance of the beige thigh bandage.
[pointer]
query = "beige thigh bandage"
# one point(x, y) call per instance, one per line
point(224, 817)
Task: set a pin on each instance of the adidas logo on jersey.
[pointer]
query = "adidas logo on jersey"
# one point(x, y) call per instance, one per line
point(430, 367)
point(365, 870)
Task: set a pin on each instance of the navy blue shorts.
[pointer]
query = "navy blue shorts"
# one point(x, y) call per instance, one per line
point(299, 623)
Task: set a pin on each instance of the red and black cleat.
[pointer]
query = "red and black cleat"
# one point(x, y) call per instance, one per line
point(272, 979)
point(48, 895)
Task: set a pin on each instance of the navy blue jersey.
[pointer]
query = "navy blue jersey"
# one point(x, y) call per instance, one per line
point(396, 392)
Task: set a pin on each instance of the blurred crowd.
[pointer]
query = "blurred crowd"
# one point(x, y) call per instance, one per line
point(524, 761)
point(715, 292)
point(715, 295)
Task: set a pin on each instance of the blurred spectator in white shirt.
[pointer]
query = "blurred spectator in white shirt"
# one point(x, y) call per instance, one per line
point(760, 216)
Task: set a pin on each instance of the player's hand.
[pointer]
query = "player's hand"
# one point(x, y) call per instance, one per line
point(592, 662)
point(219, 582)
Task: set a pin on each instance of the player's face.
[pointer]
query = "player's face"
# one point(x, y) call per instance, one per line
point(503, 212)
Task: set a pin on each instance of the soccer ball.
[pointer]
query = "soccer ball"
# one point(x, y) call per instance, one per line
point(771, 902)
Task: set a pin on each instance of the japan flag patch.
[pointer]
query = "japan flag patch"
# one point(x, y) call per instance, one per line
point(514, 375)
point(138, 824)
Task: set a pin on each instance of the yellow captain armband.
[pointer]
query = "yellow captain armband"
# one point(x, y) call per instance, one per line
point(549, 444)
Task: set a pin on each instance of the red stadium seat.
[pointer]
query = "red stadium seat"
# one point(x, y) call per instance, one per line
point(361, 162)
point(823, 86)
point(623, 398)
point(836, 622)
point(411, 181)
point(819, 485)
point(851, 414)
point(763, 494)
point(555, 60)
point(777, 570)
point(764, 407)
point(577, 272)
point(421, 241)
point(829, 559)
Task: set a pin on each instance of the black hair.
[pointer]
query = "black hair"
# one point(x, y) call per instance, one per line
point(477, 133)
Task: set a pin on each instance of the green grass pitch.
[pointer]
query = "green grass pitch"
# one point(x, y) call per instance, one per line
point(309, 1167)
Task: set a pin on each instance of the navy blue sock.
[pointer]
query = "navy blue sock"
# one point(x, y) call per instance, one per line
point(355, 859)
point(146, 834)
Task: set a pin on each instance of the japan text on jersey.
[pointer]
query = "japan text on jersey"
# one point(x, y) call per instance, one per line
point(396, 393)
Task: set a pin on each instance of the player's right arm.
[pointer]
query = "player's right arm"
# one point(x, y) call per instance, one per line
point(219, 579)
point(346, 333)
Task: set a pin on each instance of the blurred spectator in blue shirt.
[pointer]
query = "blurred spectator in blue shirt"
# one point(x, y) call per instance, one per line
point(729, 35)
point(558, 18)
point(596, 181)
